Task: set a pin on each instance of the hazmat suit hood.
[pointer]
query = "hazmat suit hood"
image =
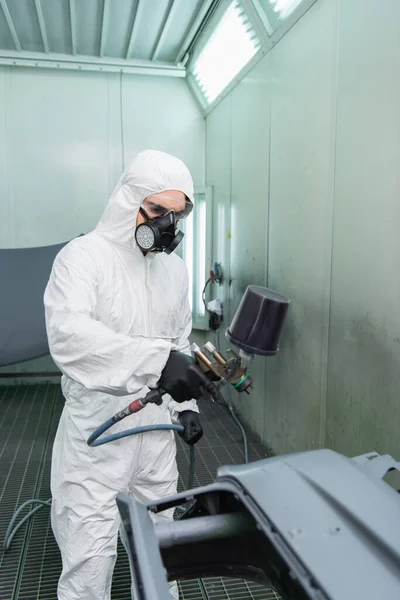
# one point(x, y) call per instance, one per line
point(150, 172)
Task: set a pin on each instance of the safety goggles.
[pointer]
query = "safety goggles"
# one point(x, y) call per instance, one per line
point(153, 209)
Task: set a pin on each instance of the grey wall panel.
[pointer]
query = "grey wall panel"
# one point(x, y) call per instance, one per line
point(302, 129)
point(282, 124)
point(249, 206)
point(333, 226)
point(38, 365)
point(218, 175)
point(6, 219)
point(363, 407)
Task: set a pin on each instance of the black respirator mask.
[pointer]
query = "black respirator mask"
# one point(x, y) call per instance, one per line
point(158, 234)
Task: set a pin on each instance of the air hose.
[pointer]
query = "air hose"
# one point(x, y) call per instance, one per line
point(95, 440)
point(10, 533)
point(229, 405)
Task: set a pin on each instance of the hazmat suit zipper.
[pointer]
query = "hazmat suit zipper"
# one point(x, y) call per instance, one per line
point(148, 292)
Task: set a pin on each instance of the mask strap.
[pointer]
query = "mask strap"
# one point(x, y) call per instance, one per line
point(144, 213)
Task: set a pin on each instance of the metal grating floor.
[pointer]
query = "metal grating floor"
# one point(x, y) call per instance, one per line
point(30, 569)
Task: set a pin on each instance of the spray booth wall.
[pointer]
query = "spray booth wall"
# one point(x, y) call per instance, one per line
point(305, 154)
point(64, 140)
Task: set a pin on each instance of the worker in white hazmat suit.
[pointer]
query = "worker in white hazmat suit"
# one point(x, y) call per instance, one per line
point(118, 321)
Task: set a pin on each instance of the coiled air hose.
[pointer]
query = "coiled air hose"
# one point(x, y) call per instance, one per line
point(95, 440)
point(154, 396)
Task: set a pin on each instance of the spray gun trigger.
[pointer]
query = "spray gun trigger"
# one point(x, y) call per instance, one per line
point(154, 397)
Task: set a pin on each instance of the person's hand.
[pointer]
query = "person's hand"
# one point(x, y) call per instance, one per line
point(184, 380)
point(193, 430)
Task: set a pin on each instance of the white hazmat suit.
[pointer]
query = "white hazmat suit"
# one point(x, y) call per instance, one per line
point(113, 315)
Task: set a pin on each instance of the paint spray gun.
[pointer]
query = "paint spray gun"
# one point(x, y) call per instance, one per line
point(222, 370)
point(254, 330)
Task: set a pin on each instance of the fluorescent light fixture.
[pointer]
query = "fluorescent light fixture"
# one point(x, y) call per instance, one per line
point(227, 51)
point(201, 254)
point(284, 7)
point(188, 255)
point(277, 11)
point(196, 253)
point(222, 233)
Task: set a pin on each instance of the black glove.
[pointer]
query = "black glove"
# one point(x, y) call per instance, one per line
point(184, 380)
point(193, 430)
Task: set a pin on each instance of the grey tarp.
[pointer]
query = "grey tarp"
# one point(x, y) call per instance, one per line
point(24, 273)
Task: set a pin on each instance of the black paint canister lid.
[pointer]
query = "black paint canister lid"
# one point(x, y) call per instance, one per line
point(257, 324)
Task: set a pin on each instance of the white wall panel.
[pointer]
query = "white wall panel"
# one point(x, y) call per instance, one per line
point(364, 353)
point(218, 145)
point(62, 149)
point(60, 135)
point(161, 113)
